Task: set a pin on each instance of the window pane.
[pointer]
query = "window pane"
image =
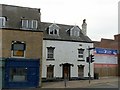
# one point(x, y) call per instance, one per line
point(34, 24)
point(51, 32)
point(24, 23)
point(18, 74)
point(80, 56)
point(50, 50)
point(50, 53)
point(55, 31)
point(18, 46)
point(18, 53)
point(2, 21)
point(80, 51)
point(18, 49)
point(30, 24)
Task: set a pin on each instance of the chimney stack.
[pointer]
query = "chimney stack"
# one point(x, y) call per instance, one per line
point(84, 27)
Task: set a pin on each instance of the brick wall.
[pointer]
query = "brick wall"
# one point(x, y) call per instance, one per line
point(33, 42)
point(106, 69)
point(103, 64)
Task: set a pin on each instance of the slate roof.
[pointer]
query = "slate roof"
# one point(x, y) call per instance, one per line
point(63, 34)
point(14, 15)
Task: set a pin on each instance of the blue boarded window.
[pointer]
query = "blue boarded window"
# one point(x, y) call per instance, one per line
point(18, 74)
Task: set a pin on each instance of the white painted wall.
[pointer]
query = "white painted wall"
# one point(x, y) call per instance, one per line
point(65, 52)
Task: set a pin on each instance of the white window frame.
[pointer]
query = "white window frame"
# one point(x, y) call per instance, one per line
point(54, 32)
point(81, 54)
point(29, 24)
point(36, 24)
point(48, 58)
point(2, 21)
point(52, 28)
point(12, 51)
point(24, 24)
point(75, 31)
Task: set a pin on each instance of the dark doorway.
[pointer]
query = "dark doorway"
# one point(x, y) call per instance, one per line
point(66, 71)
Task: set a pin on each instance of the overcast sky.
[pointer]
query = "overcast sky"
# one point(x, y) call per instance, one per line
point(101, 15)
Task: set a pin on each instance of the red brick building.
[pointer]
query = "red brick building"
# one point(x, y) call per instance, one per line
point(106, 57)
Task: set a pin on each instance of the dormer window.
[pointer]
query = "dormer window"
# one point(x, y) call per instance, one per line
point(2, 21)
point(54, 32)
point(34, 24)
point(75, 31)
point(53, 29)
point(29, 24)
point(24, 23)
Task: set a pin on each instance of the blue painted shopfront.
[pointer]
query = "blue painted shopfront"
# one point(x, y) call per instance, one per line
point(21, 73)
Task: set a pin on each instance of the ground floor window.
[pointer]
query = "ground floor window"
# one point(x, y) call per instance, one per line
point(50, 71)
point(80, 70)
point(18, 74)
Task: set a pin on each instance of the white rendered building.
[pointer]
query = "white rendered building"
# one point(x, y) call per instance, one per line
point(65, 48)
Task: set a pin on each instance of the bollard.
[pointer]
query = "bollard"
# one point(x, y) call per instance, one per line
point(65, 83)
point(65, 80)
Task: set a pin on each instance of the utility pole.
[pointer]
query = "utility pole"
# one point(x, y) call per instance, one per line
point(89, 60)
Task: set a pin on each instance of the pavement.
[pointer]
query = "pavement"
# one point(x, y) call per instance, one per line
point(79, 83)
point(73, 83)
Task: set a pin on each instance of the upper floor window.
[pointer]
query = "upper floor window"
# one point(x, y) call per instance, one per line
point(2, 21)
point(75, 31)
point(18, 49)
point(24, 23)
point(34, 24)
point(29, 24)
point(53, 29)
point(80, 53)
point(54, 32)
point(50, 53)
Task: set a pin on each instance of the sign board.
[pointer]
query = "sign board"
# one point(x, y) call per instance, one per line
point(105, 51)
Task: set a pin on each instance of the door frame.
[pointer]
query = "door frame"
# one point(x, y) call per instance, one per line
point(81, 66)
point(68, 71)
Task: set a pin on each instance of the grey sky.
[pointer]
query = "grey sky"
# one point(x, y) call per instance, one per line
point(101, 15)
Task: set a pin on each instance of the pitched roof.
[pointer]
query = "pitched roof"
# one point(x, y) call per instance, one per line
point(14, 15)
point(63, 34)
